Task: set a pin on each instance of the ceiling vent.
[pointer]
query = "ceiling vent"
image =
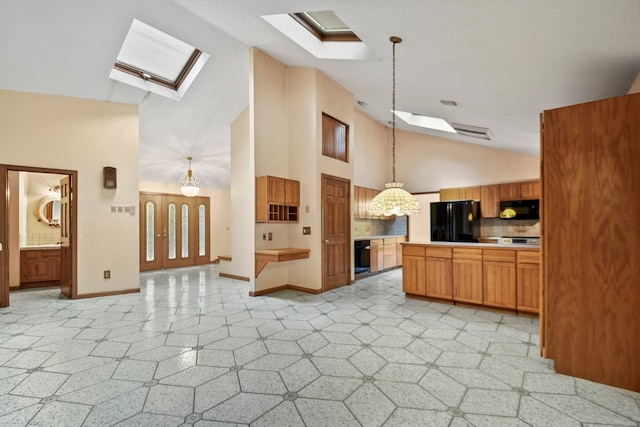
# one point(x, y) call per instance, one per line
point(473, 131)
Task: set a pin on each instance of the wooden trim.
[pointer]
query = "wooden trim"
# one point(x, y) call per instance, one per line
point(320, 35)
point(173, 85)
point(107, 294)
point(283, 288)
point(233, 276)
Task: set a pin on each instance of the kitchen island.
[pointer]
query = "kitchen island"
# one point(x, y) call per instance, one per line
point(503, 277)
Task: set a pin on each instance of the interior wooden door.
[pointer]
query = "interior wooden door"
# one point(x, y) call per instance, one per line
point(151, 230)
point(66, 246)
point(336, 232)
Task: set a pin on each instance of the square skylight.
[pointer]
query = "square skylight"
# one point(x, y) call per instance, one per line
point(322, 34)
point(427, 122)
point(157, 62)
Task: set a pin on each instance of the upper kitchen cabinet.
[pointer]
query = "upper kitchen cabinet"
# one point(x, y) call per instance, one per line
point(449, 194)
point(526, 190)
point(490, 201)
point(590, 229)
point(469, 193)
point(277, 199)
point(361, 201)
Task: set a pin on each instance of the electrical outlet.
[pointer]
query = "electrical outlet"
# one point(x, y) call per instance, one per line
point(107, 274)
point(306, 230)
point(270, 236)
point(264, 236)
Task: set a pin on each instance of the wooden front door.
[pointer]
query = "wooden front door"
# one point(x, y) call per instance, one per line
point(174, 231)
point(336, 232)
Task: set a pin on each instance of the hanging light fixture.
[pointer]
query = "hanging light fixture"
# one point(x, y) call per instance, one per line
point(189, 186)
point(394, 200)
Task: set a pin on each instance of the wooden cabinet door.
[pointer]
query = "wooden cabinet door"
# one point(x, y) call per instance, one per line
point(362, 203)
point(530, 190)
point(413, 275)
point(449, 194)
point(490, 201)
point(510, 191)
point(528, 288)
point(376, 257)
point(389, 260)
point(369, 194)
point(467, 275)
point(356, 202)
point(469, 193)
point(276, 190)
point(291, 192)
point(439, 278)
point(399, 240)
point(499, 284)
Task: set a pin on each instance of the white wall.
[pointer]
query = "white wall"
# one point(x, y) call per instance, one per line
point(76, 134)
point(420, 225)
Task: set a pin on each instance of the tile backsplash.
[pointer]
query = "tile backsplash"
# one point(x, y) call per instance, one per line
point(380, 227)
point(38, 239)
point(495, 227)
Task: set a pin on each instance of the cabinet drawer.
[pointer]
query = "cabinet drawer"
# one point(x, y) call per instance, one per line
point(499, 255)
point(376, 242)
point(438, 252)
point(467, 253)
point(390, 241)
point(530, 257)
point(413, 250)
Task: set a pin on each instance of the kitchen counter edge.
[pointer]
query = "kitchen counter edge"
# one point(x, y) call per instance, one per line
point(475, 245)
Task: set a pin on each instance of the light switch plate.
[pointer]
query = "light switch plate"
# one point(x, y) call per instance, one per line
point(306, 230)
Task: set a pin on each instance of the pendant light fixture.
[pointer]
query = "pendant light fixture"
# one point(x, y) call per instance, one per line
point(189, 186)
point(394, 200)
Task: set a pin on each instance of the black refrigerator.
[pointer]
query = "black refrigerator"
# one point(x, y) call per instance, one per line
point(454, 221)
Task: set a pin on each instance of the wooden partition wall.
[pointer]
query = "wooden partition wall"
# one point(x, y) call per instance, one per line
point(591, 240)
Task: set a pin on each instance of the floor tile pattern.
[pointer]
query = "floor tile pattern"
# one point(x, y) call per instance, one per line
point(193, 349)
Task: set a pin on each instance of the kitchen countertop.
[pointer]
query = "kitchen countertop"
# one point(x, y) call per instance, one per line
point(39, 247)
point(476, 245)
point(385, 236)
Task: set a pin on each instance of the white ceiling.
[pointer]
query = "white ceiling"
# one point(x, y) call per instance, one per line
point(502, 61)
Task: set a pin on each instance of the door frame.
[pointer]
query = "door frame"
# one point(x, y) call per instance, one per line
point(323, 179)
point(4, 229)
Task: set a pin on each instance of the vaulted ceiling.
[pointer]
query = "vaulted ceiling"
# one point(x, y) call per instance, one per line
point(502, 61)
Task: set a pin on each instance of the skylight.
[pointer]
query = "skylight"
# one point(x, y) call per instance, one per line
point(322, 35)
point(427, 122)
point(155, 61)
point(325, 25)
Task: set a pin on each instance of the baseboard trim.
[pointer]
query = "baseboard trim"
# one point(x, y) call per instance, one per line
point(282, 288)
point(107, 294)
point(233, 276)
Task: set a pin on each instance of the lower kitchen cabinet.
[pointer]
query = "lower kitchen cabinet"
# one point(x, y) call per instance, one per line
point(439, 273)
point(389, 258)
point(528, 281)
point(467, 275)
point(413, 270)
point(376, 255)
point(40, 265)
point(499, 278)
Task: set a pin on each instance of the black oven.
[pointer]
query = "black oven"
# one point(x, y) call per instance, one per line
point(361, 256)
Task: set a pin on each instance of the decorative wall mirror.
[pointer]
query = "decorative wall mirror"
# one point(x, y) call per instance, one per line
point(48, 211)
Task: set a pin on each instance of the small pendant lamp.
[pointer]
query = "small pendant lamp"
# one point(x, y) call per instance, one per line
point(394, 200)
point(189, 186)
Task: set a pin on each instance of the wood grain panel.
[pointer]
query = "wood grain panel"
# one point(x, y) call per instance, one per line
point(413, 275)
point(591, 224)
point(530, 257)
point(469, 193)
point(490, 201)
point(438, 252)
point(528, 288)
point(410, 250)
point(335, 138)
point(530, 190)
point(467, 280)
point(467, 253)
point(510, 191)
point(449, 194)
point(499, 284)
point(500, 255)
point(439, 278)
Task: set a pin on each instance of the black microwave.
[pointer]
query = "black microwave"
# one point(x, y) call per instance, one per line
point(520, 209)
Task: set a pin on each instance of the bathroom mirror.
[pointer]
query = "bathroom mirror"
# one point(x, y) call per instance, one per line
point(48, 211)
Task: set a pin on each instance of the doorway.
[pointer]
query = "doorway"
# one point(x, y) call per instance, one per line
point(174, 231)
point(336, 232)
point(10, 243)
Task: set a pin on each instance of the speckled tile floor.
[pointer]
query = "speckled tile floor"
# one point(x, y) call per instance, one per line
point(195, 349)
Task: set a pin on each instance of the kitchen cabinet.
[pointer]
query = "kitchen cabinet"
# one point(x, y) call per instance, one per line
point(439, 272)
point(526, 190)
point(40, 265)
point(399, 242)
point(389, 258)
point(376, 255)
point(469, 193)
point(362, 201)
point(510, 191)
point(499, 278)
point(414, 270)
point(277, 199)
point(449, 194)
point(467, 275)
point(528, 281)
point(490, 201)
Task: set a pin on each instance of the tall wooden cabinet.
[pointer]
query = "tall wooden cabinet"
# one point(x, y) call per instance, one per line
point(277, 199)
point(590, 230)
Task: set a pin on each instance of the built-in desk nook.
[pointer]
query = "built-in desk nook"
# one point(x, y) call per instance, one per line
point(265, 256)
